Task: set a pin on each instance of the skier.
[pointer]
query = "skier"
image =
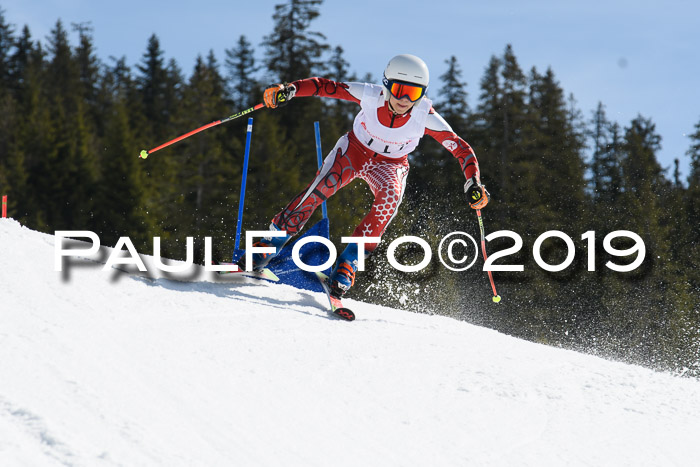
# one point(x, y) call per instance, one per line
point(392, 120)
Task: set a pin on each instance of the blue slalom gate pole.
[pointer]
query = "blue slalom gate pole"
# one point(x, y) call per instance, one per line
point(241, 199)
point(319, 155)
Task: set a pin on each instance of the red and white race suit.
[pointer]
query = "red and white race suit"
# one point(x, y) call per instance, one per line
point(376, 150)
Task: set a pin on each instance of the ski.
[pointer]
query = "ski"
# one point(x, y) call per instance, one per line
point(263, 273)
point(336, 305)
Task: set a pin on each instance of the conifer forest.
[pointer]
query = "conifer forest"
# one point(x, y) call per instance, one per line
point(72, 125)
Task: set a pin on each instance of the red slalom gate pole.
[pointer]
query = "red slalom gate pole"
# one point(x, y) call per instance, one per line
point(4, 206)
point(496, 298)
point(144, 154)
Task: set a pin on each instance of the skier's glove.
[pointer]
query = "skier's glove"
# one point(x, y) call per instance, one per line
point(477, 196)
point(279, 94)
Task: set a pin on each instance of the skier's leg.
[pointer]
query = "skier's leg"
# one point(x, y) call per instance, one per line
point(337, 171)
point(387, 180)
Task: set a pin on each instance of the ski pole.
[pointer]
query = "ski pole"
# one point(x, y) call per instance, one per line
point(496, 298)
point(319, 155)
point(144, 154)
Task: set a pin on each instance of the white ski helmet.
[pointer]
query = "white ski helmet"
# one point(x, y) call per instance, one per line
point(406, 68)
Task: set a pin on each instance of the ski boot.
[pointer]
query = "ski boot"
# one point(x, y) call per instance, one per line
point(261, 260)
point(343, 275)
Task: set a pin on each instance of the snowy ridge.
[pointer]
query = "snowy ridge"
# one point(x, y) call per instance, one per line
point(110, 368)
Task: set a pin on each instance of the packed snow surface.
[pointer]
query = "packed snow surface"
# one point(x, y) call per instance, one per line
point(107, 367)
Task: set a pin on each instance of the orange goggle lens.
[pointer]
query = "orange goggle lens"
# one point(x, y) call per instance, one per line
point(401, 90)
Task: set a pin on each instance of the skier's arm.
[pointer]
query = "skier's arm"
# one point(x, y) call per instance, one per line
point(440, 130)
point(322, 87)
point(279, 94)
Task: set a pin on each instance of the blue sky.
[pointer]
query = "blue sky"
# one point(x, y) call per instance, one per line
point(637, 57)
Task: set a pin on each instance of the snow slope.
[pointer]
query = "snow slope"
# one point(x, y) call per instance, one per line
point(102, 368)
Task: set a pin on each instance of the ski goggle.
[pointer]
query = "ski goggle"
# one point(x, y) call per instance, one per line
point(399, 90)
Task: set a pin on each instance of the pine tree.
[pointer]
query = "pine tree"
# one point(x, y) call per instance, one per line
point(513, 106)
point(643, 174)
point(88, 64)
point(550, 158)
point(154, 120)
point(151, 83)
point(606, 182)
point(62, 67)
point(119, 86)
point(338, 67)
point(7, 43)
point(452, 104)
point(67, 172)
point(681, 207)
point(292, 50)
point(611, 170)
point(19, 60)
point(240, 63)
point(157, 85)
point(656, 293)
point(7, 108)
point(691, 248)
point(694, 154)
point(599, 135)
point(121, 210)
point(488, 123)
point(555, 153)
point(689, 252)
point(174, 84)
point(33, 131)
point(500, 119)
